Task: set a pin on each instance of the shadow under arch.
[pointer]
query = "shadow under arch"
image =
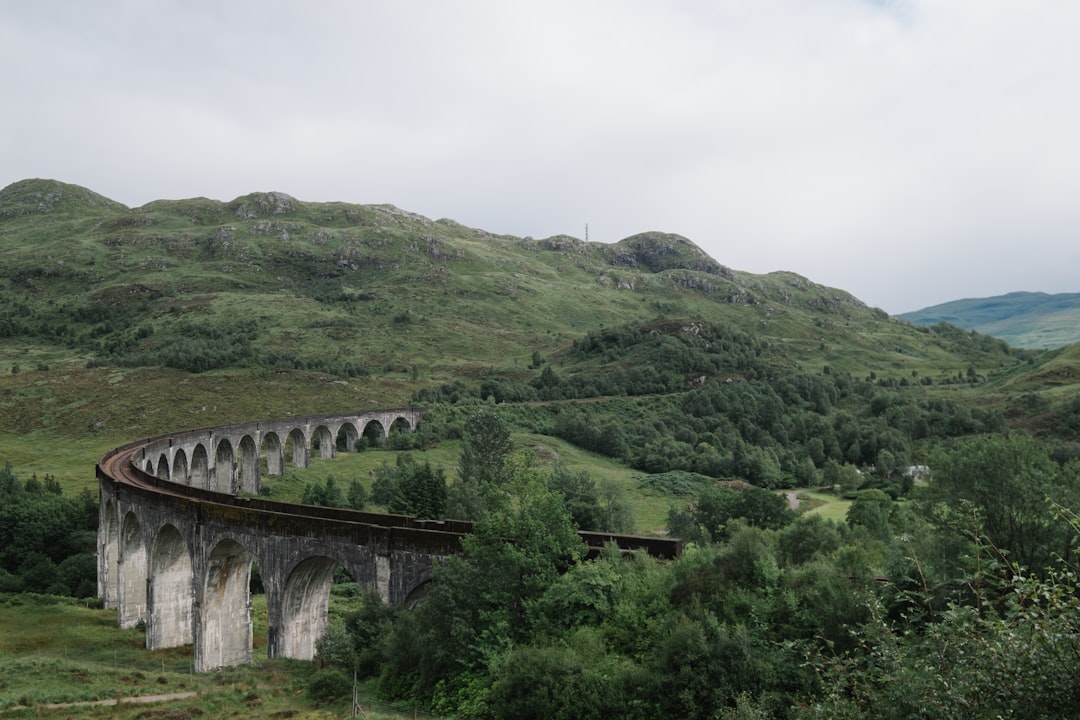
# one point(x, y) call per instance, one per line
point(200, 467)
point(180, 468)
point(325, 441)
point(171, 590)
point(224, 610)
point(109, 559)
point(296, 449)
point(131, 605)
point(247, 471)
point(346, 437)
point(163, 467)
point(417, 594)
point(224, 467)
point(374, 434)
point(274, 454)
point(304, 602)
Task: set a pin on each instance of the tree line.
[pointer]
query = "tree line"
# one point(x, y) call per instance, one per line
point(47, 540)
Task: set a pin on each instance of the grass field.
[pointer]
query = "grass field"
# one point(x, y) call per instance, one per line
point(813, 501)
point(58, 651)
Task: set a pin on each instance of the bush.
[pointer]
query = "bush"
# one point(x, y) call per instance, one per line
point(329, 684)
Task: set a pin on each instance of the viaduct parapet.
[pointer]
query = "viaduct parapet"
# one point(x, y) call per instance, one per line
point(181, 527)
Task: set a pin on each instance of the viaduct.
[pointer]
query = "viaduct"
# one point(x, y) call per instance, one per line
point(181, 527)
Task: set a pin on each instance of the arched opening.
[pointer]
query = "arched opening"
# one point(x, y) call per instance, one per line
point(416, 594)
point(296, 450)
point(247, 473)
point(131, 604)
point(346, 437)
point(163, 467)
point(224, 467)
point(148, 466)
point(399, 436)
point(274, 454)
point(225, 610)
point(303, 607)
point(180, 468)
point(374, 434)
point(172, 592)
point(109, 560)
point(200, 467)
point(324, 439)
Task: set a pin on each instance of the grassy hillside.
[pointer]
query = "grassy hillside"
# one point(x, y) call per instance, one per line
point(120, 322)
point(1023, 319)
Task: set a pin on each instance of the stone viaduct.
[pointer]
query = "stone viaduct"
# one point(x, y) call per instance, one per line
point(181, 527)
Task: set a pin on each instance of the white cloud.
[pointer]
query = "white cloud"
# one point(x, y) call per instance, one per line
point(911, 152)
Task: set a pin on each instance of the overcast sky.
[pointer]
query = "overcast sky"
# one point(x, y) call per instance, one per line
point(908, 152)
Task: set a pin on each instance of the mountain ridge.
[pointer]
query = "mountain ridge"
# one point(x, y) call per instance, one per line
point(272, 281)
point(1032, 320)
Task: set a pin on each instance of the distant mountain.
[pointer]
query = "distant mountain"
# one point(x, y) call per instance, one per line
point(1022, 319)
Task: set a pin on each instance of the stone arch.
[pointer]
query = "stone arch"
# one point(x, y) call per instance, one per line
point(163, 467)
point(274, 453)
point(200, 467)
point(325, 440)
point(304, 605)
point(346, 437)
point(148, 466)
point(400, 426)
point(171, 592)
point(374, 433)
point(296, 447)
point(180, 468)
point(131, 603)
point(225, 611)
point(224, 467)
point(247, 471)
point(109, 561)
point(417, 594)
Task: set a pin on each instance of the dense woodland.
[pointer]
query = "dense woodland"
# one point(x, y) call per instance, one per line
point(47, 541)
point(950, 600)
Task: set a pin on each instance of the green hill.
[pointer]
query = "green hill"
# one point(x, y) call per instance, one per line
point(121, 322)
point(267, 279)
point(1023, 319)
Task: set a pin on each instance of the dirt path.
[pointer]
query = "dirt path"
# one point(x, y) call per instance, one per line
point(792, 500)
point(138, 699)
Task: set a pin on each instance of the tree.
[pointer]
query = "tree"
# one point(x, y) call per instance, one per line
point(485, 448)
point(578, 492)
point(759, 507)
point(1008, 481)
point(845, 477)
point(420, 491)
point(873, 510)
point(477, 606)
point(326, 494)
point(385, 483)
point(357, 495)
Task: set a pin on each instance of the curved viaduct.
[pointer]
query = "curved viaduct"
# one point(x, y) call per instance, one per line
point(178, 536)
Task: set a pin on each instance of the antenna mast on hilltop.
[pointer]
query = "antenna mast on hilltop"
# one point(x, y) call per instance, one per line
point(586, 232)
